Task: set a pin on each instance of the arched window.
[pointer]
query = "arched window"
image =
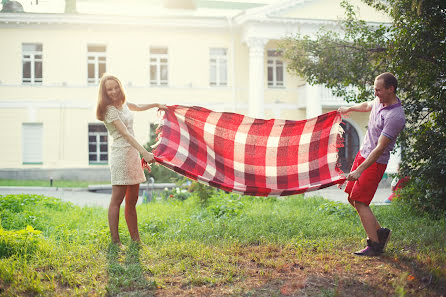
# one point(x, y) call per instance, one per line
point(348, 153)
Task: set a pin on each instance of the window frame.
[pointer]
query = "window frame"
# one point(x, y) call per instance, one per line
point(157, 81)
point(273, 57)
point(216, 62)
point(33, 60)
point(96, 62)
point(98, 153)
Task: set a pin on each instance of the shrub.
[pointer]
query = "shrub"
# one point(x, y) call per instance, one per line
point(224, 205)
point(202, 191)
point(423, 199)
point(23, 242)
point(18, 211)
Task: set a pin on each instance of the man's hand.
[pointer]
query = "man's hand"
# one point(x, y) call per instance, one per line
point(343, 110)
point(354, 175)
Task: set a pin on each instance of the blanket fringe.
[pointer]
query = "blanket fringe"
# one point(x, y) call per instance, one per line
point(159, 135)
point(158, 130)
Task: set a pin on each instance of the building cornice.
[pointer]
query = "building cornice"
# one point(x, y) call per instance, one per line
point(23, 19)
point(185, 21)
point(272, 14)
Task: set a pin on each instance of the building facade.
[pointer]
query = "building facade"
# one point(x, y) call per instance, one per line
point(225, 58)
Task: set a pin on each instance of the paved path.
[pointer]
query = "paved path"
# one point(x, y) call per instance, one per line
point(335, 194)
point(82, 197)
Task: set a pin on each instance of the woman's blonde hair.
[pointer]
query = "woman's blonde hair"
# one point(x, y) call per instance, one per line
point(103, 99)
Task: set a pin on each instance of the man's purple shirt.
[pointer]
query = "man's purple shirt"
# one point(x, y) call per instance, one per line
point(389, 121)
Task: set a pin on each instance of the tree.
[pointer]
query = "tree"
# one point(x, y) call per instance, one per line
point(413, 47)
point(70, 6)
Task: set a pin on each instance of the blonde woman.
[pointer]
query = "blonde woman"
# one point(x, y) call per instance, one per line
point(125, 162)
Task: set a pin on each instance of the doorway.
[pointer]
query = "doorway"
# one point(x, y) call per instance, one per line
point(348, 152)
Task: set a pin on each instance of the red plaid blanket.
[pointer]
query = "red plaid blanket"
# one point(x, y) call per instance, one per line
point(255, 157)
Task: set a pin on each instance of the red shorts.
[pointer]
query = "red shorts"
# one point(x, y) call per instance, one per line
point(364, 188)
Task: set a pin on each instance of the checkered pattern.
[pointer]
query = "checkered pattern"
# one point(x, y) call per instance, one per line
point(250, 156)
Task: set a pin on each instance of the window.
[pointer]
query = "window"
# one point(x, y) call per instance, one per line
point(97, 144)
point(96, 63)
point(32, 63)
point(218, 67)
point(275, 69)
point(159, 62)
point(32, 135)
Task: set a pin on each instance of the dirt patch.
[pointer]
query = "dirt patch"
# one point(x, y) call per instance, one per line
point(275, 271)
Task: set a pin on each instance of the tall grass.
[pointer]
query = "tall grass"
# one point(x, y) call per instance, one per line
point(49, 247)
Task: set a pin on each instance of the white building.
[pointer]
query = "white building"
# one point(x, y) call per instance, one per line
point(218, 54)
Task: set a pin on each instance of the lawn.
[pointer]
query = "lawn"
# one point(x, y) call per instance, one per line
point(231, 246)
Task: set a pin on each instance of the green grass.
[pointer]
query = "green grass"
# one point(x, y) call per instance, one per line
point(234, 246)
point(46, 183)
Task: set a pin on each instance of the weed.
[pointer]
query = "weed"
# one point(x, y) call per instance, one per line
point(337, 208)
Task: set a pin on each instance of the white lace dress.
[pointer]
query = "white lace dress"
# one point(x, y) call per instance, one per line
point(125, 163)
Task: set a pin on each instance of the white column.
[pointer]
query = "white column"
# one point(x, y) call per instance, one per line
point(256, 76)
point(313, 100)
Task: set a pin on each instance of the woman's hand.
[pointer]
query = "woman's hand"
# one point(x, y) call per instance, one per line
point(162, 106)
point(148, 157)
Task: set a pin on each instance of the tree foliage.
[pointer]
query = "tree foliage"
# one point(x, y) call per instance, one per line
point(413, 47)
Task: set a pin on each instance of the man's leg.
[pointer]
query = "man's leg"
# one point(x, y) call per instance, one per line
point(368, 220)
point(371, 227)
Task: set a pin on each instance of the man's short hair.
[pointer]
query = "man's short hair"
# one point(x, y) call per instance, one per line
point(389, 80)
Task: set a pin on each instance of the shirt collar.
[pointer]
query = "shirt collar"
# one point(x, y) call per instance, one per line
point(392, 106)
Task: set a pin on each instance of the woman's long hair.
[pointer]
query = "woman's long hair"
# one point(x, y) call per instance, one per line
point(103, 99)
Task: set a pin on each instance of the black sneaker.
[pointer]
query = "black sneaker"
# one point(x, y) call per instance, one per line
point(383, 237)
point(372, 249)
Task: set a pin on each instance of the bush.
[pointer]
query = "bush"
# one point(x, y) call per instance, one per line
point(175, 193)
point(423, 198)
point(202, 191)
point(23, 242)
point(19, 211)
point(223, 205)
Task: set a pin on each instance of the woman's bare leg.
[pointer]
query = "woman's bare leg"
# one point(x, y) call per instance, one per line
point(118, 193)
point(131, 197)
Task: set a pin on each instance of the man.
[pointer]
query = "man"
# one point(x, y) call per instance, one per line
point(385, 123)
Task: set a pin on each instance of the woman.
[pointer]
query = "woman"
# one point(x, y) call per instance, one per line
point(125, 162)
